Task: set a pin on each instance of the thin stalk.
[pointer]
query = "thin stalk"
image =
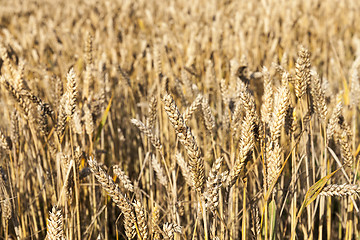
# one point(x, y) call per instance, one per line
point(244, 235)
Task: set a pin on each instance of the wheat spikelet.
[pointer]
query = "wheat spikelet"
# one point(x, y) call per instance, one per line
point(342, 190)
point(267, 106)
point(6, 209)
point(273, 162)
point(23, 102)
point(5, 142)
point(147, 131)
point(61, 118)
point(157, 59)
point(215, 168)
point(36, 100)
point(14, 128)
point(187, 83)
point(159, 171)
point(236, 116)
point(89, 121)
point(76, 123)
point(196, 163)
point(354, 83)
point(318, 97)
point(169, 229)
point(9, 69)
point(151, 113)
point(113, 190)
point(334, 119)
point(155, 222)
point(213, 185)
point(19, 76)
point(65, 163)
point(141, 220)
point(128, 185)
point(345, 150)
point(256, 226)
point(248, 102)
point(302, 68)
point(246, 145)
point(89, 64)
point(224, 92)
point(192, 108)
point(67, 103)
point(55, 225)
point(208, 116)
point(184, 168)
point(212, 191)
point(71, 93)
point(281, 105)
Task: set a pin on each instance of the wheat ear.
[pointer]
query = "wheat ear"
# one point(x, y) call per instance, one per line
point(342, 190)
point(55, 225)
point(196, 163)
point(302, 68)
point(128, 185)
point(141, 220)
point(147, 131)
point(119, 199)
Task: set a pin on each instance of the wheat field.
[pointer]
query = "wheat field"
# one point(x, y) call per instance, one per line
point(217, 119)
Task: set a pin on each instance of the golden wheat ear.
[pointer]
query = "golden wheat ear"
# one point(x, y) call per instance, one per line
point(55, 225)
point(196, 162)
point(119, 199)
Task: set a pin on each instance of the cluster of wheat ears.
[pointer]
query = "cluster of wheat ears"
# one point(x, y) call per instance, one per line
point(179, 120)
